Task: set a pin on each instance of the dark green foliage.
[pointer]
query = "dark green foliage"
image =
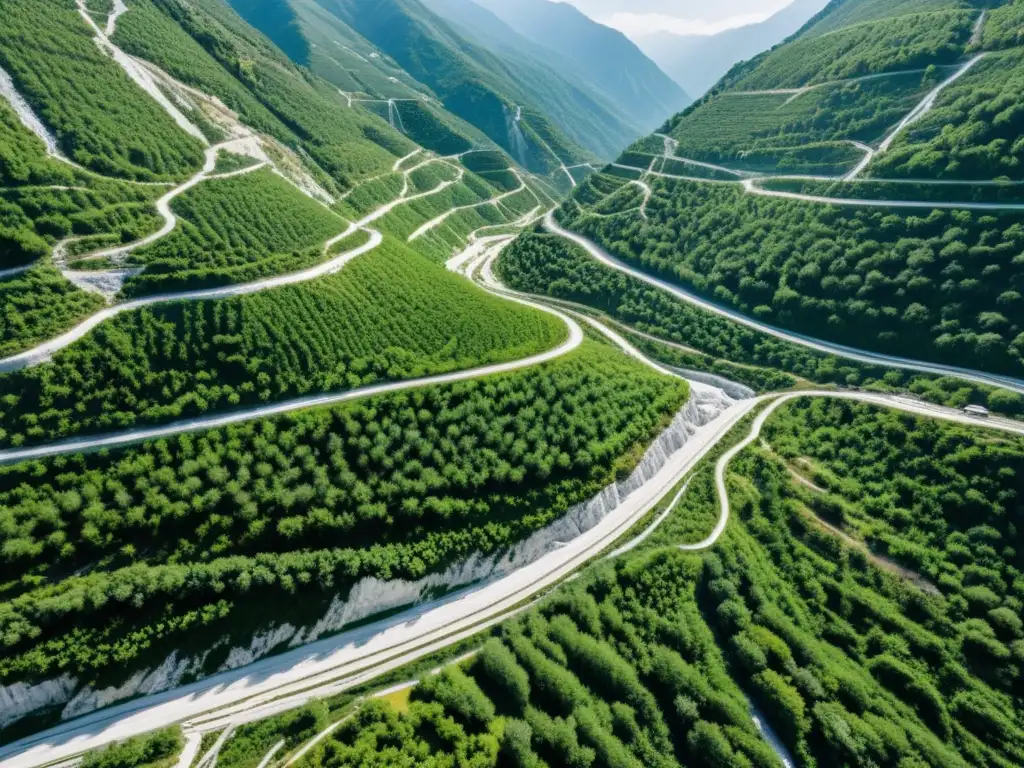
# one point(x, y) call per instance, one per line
point(459, 695)
point(637, 702)
point(139, 751)
point(248, 745)
point(1005, 26)
point(499, 673)
point(396, 486)
point(939, 285)
point(847, 647)
point(101, 118)
point(387, 315)
point(37, 305)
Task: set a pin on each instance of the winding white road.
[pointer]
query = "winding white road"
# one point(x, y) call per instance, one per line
point(829, 348)
point(927, 103)
point(344, 660)
point(893, 402)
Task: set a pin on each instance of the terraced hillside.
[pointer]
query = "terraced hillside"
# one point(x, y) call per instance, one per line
point(212, 246)
point(858, 184)
point(332, 434)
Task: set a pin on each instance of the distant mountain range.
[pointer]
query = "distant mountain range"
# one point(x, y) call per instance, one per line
point(463, 69)
point(696, 62)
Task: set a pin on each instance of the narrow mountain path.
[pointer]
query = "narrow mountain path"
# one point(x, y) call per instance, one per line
point(927, 103)
point(136, 72)
point(884, 401)
point(439, 220)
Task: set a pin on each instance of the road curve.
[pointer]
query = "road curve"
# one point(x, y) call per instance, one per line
point(894, 402)
point(826, 347)
point(142, 434)
point(44, 351)
point(340, 661)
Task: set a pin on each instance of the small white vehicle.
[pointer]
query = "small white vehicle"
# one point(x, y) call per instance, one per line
point(977, 410)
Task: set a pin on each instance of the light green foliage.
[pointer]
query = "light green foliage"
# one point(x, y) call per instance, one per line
point(204, 534)
point(1005, 26)
point(387, 315)
point(727, 124)
point(932, 285)
point(976, 130)
point(886, 45)
point(235, 230)
point(101, 118)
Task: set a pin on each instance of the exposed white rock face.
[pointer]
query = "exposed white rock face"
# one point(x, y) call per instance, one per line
point(20, 699)
point(370, 597)
point(168, 675)
point(28, 118)
point(262, 644)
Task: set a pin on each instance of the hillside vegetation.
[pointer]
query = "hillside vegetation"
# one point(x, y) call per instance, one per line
point(101, 119)
point(546, 265)
point(941, 285)
point(201, 534)
point(235, 230)
point(389, 315)
point(844, 646)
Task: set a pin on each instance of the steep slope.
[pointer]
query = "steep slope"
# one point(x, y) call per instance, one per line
point(610, 62)
point(769, 196)
point(540, 118)
point(696, 62)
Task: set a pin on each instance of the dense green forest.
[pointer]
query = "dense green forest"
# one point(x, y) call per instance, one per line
point(976, 130)
point(1005, 26)
point(817, 604)
point(618, 670)
point(101, 118)
point(235, 230)
point(199, 533)
point(37, 305)
point(388, 315)
point(938, 285)
point(548, 265)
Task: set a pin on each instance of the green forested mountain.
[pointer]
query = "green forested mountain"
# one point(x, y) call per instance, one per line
point(920, 93)
point(528, 108)
point(604, 57)
point(268, 373)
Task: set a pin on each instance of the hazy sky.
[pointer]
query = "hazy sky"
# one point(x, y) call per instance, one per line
point(684, 17)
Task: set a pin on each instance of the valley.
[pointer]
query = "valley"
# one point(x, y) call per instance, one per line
point(364, 402)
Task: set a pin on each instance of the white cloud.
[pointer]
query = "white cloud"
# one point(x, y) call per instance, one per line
point(639, 24)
